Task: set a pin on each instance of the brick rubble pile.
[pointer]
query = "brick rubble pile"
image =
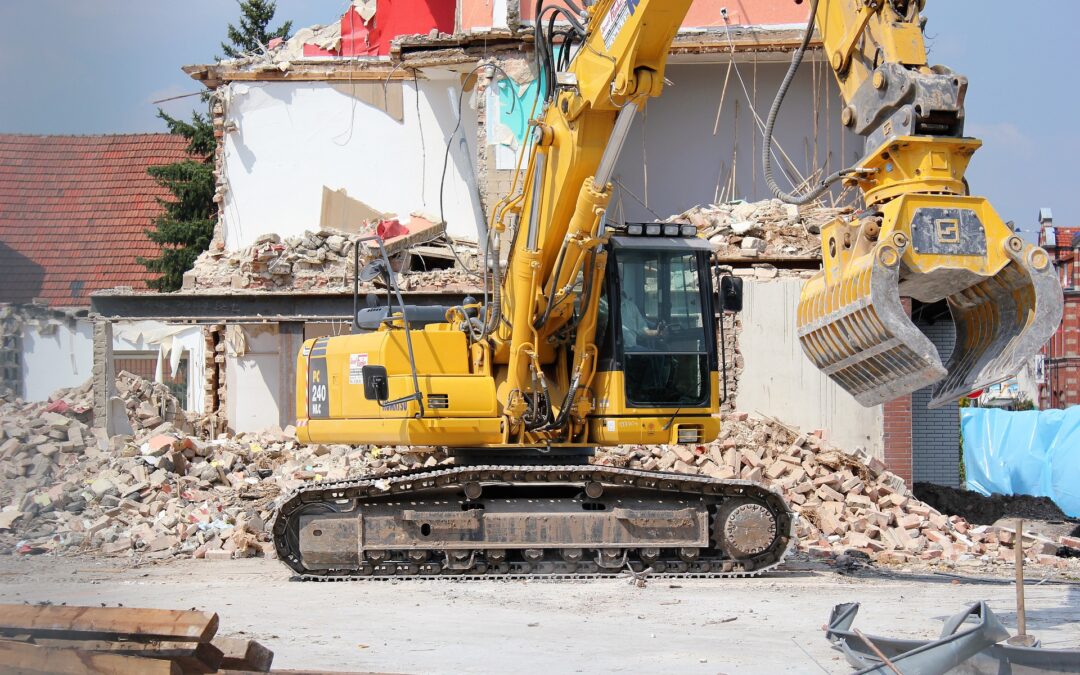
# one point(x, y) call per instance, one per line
point(67, 488)
point(845, 500)
point(769, 228)
point(317, 261)
point(169, 489)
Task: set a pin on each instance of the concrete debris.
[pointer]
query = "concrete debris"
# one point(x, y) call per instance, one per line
point(846, 500)
point(162, 492)
point(169, 489)
point(320, 261)
point(769, 228)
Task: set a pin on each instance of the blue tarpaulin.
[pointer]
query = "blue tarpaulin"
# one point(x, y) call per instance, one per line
point(1032, 452)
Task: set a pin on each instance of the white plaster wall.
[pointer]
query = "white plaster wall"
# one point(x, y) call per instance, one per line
point(778, 379)
point(293, 138)
point(254, 380)
point(62, 357)
point(673, 144)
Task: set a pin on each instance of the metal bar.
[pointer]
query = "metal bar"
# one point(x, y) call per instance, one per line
point(1018, 547)
point(878, 652)
point(615, 144)
point(419, 397)
point(534, 207)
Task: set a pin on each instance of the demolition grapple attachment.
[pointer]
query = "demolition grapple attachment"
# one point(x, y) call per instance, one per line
point(1003, 296)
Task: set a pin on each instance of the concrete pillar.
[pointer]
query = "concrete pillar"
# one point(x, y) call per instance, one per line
point(291, 334)
point(104, 371)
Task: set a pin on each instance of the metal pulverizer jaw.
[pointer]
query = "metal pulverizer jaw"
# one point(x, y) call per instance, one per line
point(1002, 292)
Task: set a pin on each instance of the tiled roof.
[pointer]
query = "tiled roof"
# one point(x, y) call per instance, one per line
point(73, 210)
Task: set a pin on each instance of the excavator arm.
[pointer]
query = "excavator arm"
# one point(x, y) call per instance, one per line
point(560, 235)
point(921, 235)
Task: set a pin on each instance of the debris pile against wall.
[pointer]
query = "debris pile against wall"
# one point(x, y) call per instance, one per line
point(769, 228)
point(845, 500)
point(318, 261)
point(67, 488)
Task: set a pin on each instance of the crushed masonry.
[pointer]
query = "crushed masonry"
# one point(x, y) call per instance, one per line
point(320, 261)
point(764, 229)
point(169, 490)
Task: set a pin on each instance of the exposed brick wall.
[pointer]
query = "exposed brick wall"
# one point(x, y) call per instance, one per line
point(897, 437)
point(936, 433)
point(1062, 386)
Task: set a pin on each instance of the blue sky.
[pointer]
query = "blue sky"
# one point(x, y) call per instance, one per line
point(95, 66)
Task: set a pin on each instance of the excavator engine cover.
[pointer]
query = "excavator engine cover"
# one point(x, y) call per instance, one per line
point(1002, 292)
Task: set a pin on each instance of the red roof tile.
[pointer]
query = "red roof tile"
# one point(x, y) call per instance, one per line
point(73, 210)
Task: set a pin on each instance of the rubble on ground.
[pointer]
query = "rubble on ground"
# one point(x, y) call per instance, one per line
point(765, 229)
point(163, 491)
point(169, 489)
point(846, 500)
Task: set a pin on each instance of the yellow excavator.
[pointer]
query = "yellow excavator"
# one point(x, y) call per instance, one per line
point(602, 333)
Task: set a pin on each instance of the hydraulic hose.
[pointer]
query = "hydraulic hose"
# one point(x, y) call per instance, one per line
point(766, 146)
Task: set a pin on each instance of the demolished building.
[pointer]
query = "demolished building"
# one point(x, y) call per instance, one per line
point(412, 114)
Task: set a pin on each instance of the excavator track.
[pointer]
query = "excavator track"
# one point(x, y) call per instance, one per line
point(750, 528)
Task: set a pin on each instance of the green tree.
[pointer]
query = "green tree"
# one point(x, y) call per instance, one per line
point(186, 227)
point(253, 30)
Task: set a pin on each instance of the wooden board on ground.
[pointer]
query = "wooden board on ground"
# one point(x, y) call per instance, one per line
point(107, 623)
point(27, 658)
point(192, 657)
point(240, 654)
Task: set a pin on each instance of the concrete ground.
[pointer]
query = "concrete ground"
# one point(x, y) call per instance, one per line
point(767, 625)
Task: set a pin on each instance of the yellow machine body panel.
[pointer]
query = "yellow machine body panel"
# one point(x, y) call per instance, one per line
point(615, 422)
point(334, 409)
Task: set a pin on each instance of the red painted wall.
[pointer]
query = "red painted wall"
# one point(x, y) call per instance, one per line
point(392, 18)
point(706, 13)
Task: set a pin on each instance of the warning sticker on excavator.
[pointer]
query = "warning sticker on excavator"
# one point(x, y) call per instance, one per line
point(356, 368)
point(620, 13)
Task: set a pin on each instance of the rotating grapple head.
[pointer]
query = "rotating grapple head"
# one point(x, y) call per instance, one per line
point(1002, 292)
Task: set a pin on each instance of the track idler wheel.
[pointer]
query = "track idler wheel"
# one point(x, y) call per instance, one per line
point(744, 528)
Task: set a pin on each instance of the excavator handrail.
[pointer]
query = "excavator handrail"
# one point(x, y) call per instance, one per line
point(417, 395)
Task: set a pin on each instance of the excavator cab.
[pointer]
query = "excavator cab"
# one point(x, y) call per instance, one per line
point(656, 321)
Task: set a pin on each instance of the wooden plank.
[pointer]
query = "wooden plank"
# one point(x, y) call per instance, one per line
point(421, 230)
point(192, 657)
point(243, 654)
point(20, 657)
point(107, 623)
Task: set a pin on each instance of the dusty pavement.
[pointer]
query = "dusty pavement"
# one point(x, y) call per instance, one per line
point(685, 626)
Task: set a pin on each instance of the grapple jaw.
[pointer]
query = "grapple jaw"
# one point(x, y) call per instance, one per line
point(1003, 296)
point(1001, 322)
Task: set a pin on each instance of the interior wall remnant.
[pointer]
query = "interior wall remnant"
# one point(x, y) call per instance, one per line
point(258, 385)
point(57, 353)
point(285, 141)
point(679, 153)
point(778, 380)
